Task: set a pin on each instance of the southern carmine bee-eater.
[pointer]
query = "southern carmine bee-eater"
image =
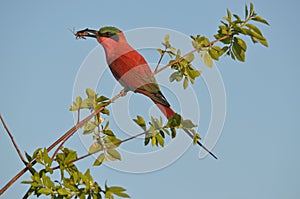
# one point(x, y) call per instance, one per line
point(129, 67)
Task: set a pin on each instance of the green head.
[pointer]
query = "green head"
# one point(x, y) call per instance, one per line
point(109, 32)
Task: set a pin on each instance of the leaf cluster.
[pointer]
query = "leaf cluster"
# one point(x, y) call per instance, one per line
point(156, 130)
point(91, 102)
point(184, 69)
point(233, 45)
point(105, 139)
point(71, 184)
point(233, 26)
point(107, 142)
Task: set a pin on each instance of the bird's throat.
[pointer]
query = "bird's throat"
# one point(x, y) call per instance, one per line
point(115, 49)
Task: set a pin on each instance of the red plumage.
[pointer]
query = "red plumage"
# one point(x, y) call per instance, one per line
point(132, 71)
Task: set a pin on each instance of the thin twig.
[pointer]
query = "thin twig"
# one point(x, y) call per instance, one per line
point(69, 133)
point(78, 116)
point(13, 141)
point(26, 195)
point(160, 59)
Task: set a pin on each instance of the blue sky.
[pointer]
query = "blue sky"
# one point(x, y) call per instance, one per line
point(258, 148)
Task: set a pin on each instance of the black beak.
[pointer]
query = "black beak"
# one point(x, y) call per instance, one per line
point(81, 34)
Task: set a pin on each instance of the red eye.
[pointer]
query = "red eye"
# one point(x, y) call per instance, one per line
point(108, 34)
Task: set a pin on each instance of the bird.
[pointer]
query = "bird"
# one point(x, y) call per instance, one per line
point(130, 68)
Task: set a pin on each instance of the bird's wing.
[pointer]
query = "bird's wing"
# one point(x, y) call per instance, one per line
point(133, 72)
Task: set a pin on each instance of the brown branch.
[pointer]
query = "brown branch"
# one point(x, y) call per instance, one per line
point(13, 141)
point(185, 55)
point(68, 134)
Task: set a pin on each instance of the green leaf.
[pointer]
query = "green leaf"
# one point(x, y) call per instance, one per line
point(106, 127)
point(160, 51)
point(228, 15)
point(100, 159)
point(174, 121)
point(241, 43)
point(105, 111)
point(108, 132)
point(114, 153)
point(46, 158)
point(102, 98)
point(192, 73)
point(28, 157)
point(238, 19)
point(185, 83)
point(115, 189)
point(175, 76)
point(260, 19)
point(90, 93)
point(63, 192)
point(173, 130)
point(147, 139)
point(88, 103)
point(47, 181)
point(26, 182)
point(246, 11)
point(95, 147)
point(112, 141)
point(264, 42)
point(187, 124)
point(190, 57)
point(238, 51)
point(77, 104)
point(251, 8)
point(123, 195)
point(254, 28)
point(155, 123)
point(89, 127)
point(108, 195)
point(160, 140)
point(162, 133)
point(45, 191)
point(119, 191)
point(166, 131)
point(167, 38)
point(153, 141)
point(208, 60)
point(72, 155)
point(196, 137)
point(141, 122)
point(214, 53)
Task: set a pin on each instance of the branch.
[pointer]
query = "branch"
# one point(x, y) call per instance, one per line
point(67, 135)
point(13, 141)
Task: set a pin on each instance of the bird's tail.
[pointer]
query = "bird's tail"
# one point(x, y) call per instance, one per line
point(167, 111)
